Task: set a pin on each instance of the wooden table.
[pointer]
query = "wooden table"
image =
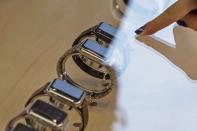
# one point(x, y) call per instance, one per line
point(33, 35)
point(156, 89)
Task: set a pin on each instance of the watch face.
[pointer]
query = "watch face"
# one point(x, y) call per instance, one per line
point(68, 90)
point(49, 112)
point(22, 127)
point(108, 29)
point(95, 47)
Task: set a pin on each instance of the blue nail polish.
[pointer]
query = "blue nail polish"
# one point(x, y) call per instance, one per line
point(140, 30)
point(181, 23)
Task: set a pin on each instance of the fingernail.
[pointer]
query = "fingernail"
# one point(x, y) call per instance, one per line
point(181, 23)
point(140, 30)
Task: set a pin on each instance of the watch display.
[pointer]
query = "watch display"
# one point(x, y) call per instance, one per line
point(22, 127)
point(95, 47)
point(67, 89)
point(107, 31)
point(49, 112)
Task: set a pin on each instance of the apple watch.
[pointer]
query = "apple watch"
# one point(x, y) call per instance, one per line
point(23, 127)
point(103, 33)
point(40, 115)
point(93, 51)
point(62, 93)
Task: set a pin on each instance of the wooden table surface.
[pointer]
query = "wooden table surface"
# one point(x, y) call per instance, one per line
point(33, 35)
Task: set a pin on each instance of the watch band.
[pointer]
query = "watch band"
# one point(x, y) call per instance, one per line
point(23, 127)
point(82, 110)
point(91, 32)
point(10, 124)
point(39, 115)
point(39, 92)
point(103, 34)
point(93, 94)
point(44, 118)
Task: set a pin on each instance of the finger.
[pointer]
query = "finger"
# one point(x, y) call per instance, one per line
point(172, 14)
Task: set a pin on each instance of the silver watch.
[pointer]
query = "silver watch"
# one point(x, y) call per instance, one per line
point(39, 116)
point(23, 127)
point(90, 50)
point(61, 93)
point(103, 34)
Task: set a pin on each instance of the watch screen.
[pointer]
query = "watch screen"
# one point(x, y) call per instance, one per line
point(108, 29)
point(22, 127)
point(67, 89)
point(49, 112)
point(95, 47)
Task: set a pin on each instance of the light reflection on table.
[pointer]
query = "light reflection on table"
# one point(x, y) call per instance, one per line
point(154, 93)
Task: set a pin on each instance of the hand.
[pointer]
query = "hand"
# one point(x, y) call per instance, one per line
point(183, 11)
